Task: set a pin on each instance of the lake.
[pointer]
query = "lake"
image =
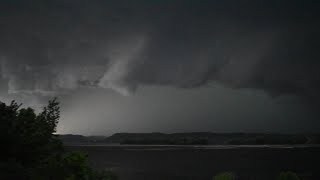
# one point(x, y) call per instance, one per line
point(162, 162)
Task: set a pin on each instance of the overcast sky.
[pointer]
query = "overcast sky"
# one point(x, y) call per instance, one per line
point(169, 66)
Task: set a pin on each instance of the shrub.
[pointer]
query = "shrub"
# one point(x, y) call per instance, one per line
point(288, 176)
point(225, 176)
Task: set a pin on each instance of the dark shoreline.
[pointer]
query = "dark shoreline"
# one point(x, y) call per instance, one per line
point(196, 138)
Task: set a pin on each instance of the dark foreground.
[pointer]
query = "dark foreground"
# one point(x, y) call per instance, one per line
point(201, 163)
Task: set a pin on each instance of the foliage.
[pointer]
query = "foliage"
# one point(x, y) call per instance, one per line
point(105, 175)
point(283, 176)
point(32, 151)
point(288, 176)
point(224, 176)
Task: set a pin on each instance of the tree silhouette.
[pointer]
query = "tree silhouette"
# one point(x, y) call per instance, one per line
point(33, 151)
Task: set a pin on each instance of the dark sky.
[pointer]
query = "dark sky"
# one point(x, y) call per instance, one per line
point(170, 66)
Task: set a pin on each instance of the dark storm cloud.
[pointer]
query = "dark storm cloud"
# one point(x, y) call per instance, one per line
point(49, 47)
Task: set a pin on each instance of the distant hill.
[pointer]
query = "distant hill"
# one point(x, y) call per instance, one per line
point(196, 138)
point(71, 139)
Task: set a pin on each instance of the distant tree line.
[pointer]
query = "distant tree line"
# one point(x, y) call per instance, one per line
point(282, 176)
point(207, 138)
point(168, 141)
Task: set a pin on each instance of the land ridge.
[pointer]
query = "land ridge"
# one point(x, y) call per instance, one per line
point(194, 138)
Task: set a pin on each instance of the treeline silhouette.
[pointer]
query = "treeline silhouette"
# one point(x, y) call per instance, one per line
point(282, 176)
point(32, 151)
point(207, 138)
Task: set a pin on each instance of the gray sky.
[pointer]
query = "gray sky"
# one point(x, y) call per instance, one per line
point(168, 66)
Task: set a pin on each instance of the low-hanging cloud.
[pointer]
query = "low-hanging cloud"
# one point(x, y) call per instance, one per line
point(53, 47)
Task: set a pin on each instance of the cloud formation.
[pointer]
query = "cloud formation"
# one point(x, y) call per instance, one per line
point(55, 47)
